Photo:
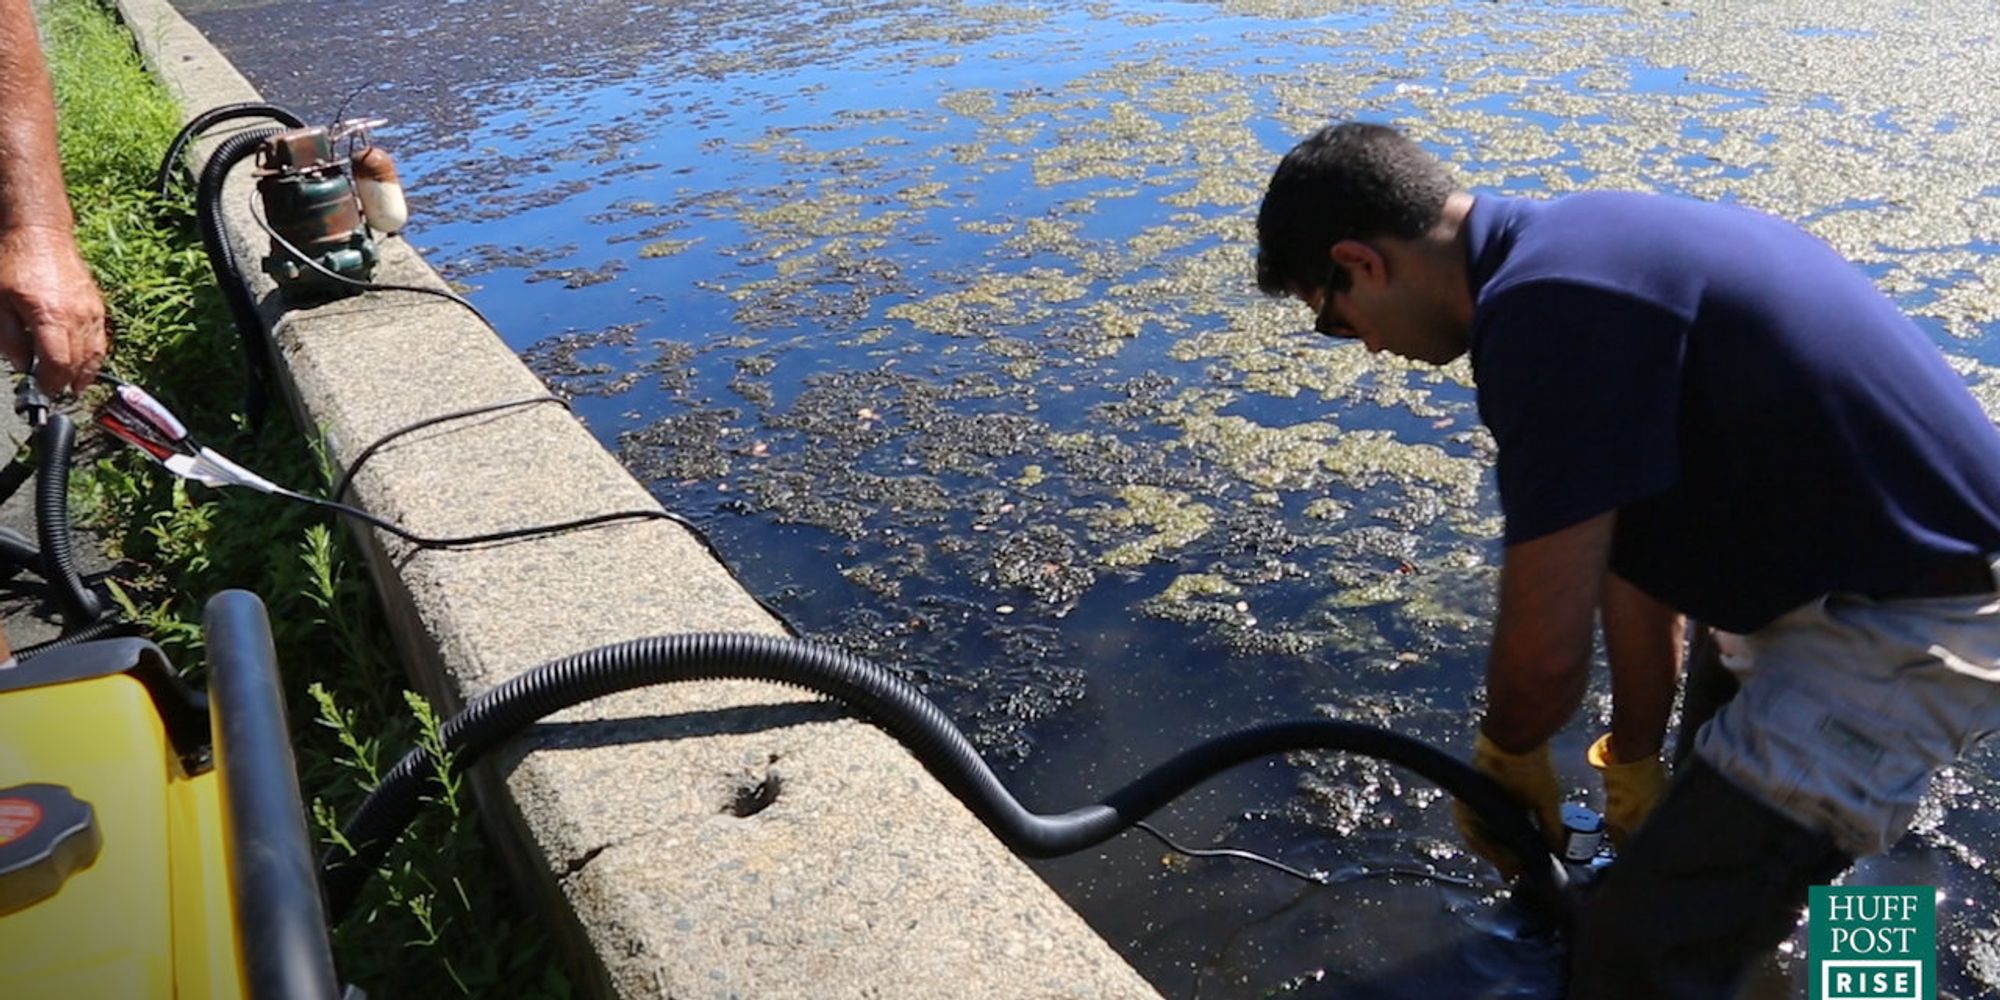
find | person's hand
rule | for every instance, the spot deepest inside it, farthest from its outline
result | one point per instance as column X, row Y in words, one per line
column 50, row 309
column 1631, row 788
column 1531, row 778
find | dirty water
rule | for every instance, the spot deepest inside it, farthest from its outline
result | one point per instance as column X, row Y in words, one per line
column 938, row 317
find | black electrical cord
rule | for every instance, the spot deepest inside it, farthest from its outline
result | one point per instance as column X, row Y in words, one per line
column 468, row 541
column 1317, row 878
column 257, row 215
column 340, row 110
column 347, row 479
column 1230, row 852
column 536, row 531
column 17, row 552
column 354, row 468
column 901, row 710
column 17, row 472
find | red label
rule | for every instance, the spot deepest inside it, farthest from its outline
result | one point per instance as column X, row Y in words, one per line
column 18, row 817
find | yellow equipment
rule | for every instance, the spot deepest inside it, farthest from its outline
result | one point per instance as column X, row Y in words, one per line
column 152, row 842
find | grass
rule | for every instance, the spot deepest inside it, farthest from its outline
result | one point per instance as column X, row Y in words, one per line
column 439, row 920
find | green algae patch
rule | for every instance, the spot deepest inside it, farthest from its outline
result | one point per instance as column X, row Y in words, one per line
column 1174, row 520
column 971, row 103
column 1448, row 599
column 1308, row 455
column 867, row 338
column 682, row 447
column 1210, row 189
column 924, row 195
column 1325, row 509
column 1193, row 585
column 831, row 213
column 990, row 300
column 878, row 579
column 665, row 248
column 1087, row 157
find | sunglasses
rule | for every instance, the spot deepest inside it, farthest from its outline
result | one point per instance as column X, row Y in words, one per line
column 1325, row 322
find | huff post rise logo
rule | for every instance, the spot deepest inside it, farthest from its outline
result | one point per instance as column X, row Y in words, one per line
column 1873, row 942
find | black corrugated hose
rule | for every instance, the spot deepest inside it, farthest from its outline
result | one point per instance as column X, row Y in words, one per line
column 221, row 253
column 901, row 710
column 103, row 628
column 222, row 258
column 80, row 607
column 163, row 179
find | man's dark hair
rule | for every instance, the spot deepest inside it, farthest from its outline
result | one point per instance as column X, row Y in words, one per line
column 1347, row 181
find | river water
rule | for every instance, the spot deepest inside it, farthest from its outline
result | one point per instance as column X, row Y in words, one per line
column 938, row 318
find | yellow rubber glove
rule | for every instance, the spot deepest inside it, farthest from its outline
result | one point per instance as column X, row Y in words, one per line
column 1531, row 777
column 1631, row 788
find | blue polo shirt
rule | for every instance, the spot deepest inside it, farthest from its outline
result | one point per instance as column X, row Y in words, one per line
column 1767, row 424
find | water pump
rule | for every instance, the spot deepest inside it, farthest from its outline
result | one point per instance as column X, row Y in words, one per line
column 322, row 207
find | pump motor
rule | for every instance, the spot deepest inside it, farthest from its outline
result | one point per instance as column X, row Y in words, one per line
column 322, row 207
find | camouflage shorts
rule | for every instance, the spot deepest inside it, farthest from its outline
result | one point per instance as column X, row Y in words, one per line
column 1849, row 705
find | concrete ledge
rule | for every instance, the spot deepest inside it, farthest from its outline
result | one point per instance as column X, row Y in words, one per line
column 862, row 878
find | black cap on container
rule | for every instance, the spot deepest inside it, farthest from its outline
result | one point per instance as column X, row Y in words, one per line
column 46, row 835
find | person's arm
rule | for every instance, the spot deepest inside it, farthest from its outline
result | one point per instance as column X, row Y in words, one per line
column 1540, row 662
column 1580, row 387
column 1537, row 672
column 50, row 309
column 1643, row 640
